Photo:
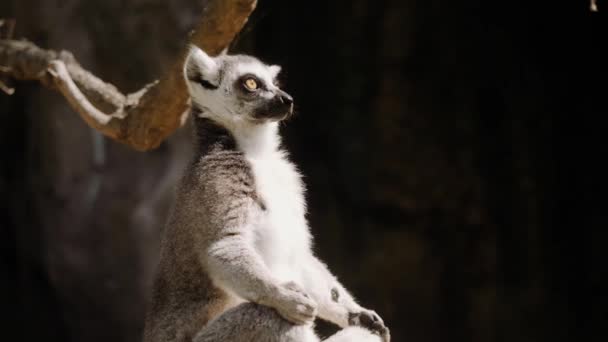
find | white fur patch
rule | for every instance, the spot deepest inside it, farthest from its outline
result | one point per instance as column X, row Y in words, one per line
column 198, row 59
column 274, row 70
column 281, row 231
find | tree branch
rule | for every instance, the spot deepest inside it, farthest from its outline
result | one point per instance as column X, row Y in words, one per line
column 75, row 97
column 144, row 118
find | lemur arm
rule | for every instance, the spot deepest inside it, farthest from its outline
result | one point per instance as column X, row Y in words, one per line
column 335, row 303
column 229, row 255
column 234, row 264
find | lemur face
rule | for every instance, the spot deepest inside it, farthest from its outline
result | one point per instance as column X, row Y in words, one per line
column 235, row 88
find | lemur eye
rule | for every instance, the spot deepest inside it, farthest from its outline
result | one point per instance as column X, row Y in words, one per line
column 251, row 84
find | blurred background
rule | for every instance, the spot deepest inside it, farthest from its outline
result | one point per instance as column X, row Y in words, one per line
column 452, row 152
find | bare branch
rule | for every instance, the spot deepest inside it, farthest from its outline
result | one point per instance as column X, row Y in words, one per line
column 75, row 97
column 144, row 118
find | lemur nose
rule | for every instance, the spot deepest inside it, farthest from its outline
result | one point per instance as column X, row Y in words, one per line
column 286, row 98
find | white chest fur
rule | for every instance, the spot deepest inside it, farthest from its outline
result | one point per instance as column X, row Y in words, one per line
column 281, row 232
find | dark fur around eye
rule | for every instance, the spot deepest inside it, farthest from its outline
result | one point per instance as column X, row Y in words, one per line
column 195, row 76
column 207, row 85
column 335, row 295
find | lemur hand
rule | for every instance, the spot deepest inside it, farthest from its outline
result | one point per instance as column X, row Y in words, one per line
column 294, row 304
column 370, row 320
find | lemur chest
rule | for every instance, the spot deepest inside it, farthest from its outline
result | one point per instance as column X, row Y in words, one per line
column 281, row 232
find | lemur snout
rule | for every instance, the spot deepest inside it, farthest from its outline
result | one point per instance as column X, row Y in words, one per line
column 285, row 98
column 286, row 102
column 278, row 107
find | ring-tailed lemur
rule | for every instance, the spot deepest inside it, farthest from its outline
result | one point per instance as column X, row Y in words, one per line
column 236, row 261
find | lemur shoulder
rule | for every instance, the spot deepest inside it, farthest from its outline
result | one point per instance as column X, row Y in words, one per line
column 236, row 262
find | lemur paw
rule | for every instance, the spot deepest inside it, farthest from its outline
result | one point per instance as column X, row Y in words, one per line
column 294, row 304
column 370, row 320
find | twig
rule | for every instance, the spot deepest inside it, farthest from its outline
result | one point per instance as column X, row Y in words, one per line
column 70, row 91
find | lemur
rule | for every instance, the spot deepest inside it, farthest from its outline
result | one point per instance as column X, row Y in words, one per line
column 236, row 262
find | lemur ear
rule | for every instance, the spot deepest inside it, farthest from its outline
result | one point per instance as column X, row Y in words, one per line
column 275, row 70
column 200, row 67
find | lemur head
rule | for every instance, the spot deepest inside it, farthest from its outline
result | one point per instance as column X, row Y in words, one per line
column 235, row 88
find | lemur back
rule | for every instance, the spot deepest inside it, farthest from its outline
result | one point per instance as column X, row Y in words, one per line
column 184, row 296
column 236, row 251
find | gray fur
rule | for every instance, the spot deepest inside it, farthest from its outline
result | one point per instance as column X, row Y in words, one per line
column 213, row 282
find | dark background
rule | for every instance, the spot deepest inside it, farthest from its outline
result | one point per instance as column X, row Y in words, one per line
column 453, row 152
